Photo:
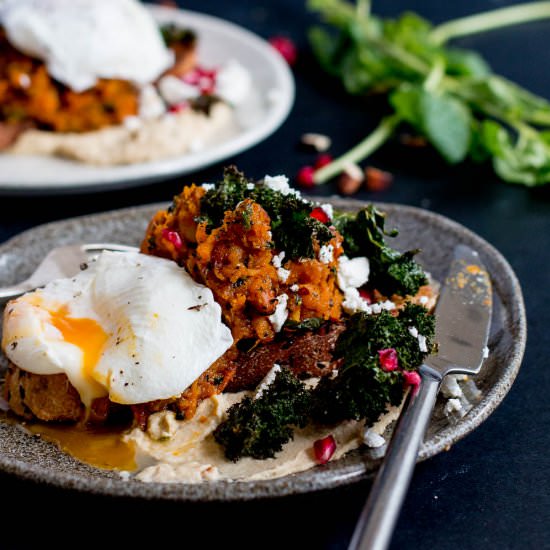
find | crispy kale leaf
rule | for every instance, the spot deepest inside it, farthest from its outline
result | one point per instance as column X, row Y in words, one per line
column 292, row 226
column 259, row 428
column 392, row 272
column 362, row 388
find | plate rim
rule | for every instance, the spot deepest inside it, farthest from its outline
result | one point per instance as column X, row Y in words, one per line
column 182, row 164
column 338, row 473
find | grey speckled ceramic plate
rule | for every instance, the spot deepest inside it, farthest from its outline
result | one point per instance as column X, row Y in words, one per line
column 32, row 458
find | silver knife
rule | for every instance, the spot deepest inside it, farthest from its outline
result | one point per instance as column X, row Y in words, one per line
column 463, row 319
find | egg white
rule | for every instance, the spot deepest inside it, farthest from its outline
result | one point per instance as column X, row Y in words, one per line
column 148, row 328
column 83, row 40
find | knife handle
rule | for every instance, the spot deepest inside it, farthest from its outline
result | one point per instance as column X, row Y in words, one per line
column 377, row 520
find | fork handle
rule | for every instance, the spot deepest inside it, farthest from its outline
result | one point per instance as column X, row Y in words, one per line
column 377, row 520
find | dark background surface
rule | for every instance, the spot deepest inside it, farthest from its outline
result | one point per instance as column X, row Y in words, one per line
column 492, row 489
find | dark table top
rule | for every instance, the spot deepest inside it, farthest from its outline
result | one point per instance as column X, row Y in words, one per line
column 491, row 489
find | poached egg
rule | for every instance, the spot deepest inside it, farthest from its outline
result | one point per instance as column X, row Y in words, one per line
column 132, row 327
column 81, row 41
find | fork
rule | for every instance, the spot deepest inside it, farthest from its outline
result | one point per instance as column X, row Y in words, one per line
column 62, row 261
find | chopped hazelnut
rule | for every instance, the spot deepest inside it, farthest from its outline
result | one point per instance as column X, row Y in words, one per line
column 350, row 180
column 377, row 180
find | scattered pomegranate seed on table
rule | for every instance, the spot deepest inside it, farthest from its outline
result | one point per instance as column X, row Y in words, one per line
column 285, row 46
column 324, row 449
column 322, row 160
column 304, row 177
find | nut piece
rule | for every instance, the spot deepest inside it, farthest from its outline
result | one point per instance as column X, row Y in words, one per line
column 318, row 142
column 350, row 180
column 377, row 180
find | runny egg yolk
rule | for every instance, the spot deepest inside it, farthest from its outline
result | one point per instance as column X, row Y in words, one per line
column 85, row 334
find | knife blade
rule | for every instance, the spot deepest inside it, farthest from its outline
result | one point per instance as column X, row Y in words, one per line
column 463, row 319
column 463, row 315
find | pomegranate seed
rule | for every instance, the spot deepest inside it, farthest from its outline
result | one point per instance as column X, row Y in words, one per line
column 178, row 107
column 319, row 214
column 172, row 237
column 377, row 180
column 388, row 359
column 285, row 47
column 366, row 295
column 322, row 160
column 304, row 177
column 192, row 77
column 324, row 449
column 411, row 378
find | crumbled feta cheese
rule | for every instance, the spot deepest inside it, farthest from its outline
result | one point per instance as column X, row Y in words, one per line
column 485, row 352
column 174, row 91
column 295, row 288
column 24, row 80
column 328, row 209
column 423, row 300
column 450, row 387
column 281, row 313
column 372, row 439
column 422, row 343
column 208, row 186
column 326, row 254
column 387, row 305
column 283, row 274
column 132, row 123
column 452, row 406
column 352, row 273
column 150, row 103
column 233, row 83
column 250, row 186
column 376, row 308
column 280, row 184
column 413, row 331
column 268, row 379
column 353, row 301
column 277, row 259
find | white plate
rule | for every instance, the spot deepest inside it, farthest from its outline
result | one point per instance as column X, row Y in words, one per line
column 218, row 42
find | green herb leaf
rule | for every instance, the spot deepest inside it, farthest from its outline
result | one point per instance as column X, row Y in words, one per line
column 391, row 272
column 312, row 323
column 446, row 94
column 445, row 121
column 293, row 228
column 259, row 428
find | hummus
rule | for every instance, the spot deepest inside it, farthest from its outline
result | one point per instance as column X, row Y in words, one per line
column 185, row 451
column 146, row 140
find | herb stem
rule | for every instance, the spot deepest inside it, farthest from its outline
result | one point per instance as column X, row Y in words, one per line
column 489, row 20
column 362, row 150
column 363, row 8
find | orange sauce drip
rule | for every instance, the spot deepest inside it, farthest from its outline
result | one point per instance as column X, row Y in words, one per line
column 101, row 447
column 86, row 334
